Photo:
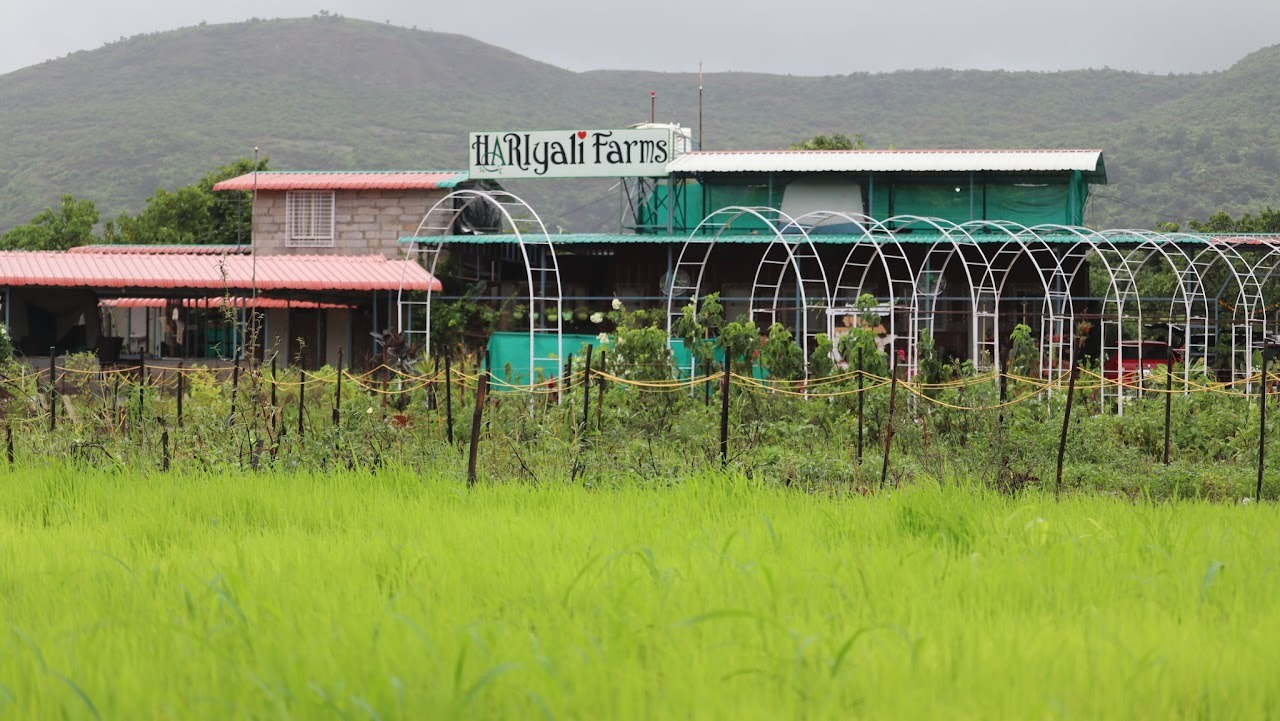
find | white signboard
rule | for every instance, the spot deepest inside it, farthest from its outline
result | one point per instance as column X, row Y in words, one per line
column 633, row 152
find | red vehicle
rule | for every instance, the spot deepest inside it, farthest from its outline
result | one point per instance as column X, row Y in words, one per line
column 1138, row 357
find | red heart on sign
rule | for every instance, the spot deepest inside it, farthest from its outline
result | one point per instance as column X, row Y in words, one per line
column 582, row 134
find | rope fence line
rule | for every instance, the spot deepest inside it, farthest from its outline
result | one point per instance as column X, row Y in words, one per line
column 391, row 381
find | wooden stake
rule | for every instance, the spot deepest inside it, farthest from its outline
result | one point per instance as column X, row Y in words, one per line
column 337, row 394
column 164, row 450
column 53, row 408
column 586, row 390
column 1066, row 421
column 448, row 400
column 235, row 388
column 862, row 397
column 182, row 378
column 1168, row 403
column 888, row 431
column 476, row 421
column 142, row 386
column 302, row 401
column 600, row 392
column 724, row 410
column 1262, row 426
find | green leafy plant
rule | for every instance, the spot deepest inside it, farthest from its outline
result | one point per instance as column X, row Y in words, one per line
column 780, row 356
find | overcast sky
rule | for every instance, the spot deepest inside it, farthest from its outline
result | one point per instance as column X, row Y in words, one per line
column 801, row 37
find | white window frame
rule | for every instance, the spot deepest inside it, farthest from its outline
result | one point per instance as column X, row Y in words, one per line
column 310, row 206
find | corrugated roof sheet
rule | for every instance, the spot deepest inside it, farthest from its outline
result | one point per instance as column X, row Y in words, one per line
column 140, row 249
column 219, row 302
column 863, row 161
column 346, row 180
column 272, row 272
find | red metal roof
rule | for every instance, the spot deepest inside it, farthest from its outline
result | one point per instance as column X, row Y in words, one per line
column 206, row 272
column 353, row 180
column 219, row 302
column 139, row 249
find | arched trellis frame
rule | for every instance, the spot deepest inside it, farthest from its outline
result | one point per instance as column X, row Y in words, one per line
column 875, row 248
column 789, row 252
column 1010, row 244
column 957, row 244
column 1248, row 311
column 542, row 270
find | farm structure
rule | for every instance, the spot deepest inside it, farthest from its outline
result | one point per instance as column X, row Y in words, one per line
column 167, row 304
column 963, row 244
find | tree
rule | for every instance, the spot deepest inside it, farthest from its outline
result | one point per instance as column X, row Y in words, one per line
column 71, row 224
column 1267, row 221
column 836, row 141
column 191, row 214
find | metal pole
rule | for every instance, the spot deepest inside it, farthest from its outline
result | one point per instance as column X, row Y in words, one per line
column 1066, row 421
column 53, row 408
column 302, row 399
column 1262, row 425
column 476, row 421
column 235, row 387
column 182, row 377
column 337, row 394
column 724, row 409
column 861, row 404
column 1168, row 403
column 586, row 390
column 142, row 384
column 448, row 399
column 600, row 393
column 888, row 431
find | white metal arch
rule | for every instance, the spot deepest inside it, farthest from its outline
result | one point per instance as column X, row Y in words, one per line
column 875, row 246
column 1248, row 312
column 1055, row 317
column 1120, row 288
column 801, row 258
column 792, row 251
column 984, row 327
column 536, row 251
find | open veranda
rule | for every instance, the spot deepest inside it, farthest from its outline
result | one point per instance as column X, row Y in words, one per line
column 298, row 549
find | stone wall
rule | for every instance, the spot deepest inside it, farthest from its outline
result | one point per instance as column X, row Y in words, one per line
column 365, row 221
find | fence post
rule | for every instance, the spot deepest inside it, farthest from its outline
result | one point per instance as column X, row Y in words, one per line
column 600, row 392
column 302, row 402
column 142, row 386
column 182, row 383
column 164, row 450
column 431, row 385
column 724, row 410
column 862, row 397
column 8, row 441
column 476, row 420
column 1066, row 420
column 888, row 431
column 586, row 390
column 1262, row 426
column 1168, row 402
column 448, row 399
column 53, row 408
column 235, row 388
column 337, row 394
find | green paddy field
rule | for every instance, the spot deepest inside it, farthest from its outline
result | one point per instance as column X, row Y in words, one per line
column 393, row 596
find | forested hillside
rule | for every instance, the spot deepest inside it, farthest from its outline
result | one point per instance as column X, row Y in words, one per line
column 113, row 124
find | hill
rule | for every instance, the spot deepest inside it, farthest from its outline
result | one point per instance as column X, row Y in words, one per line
column 159, row 110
